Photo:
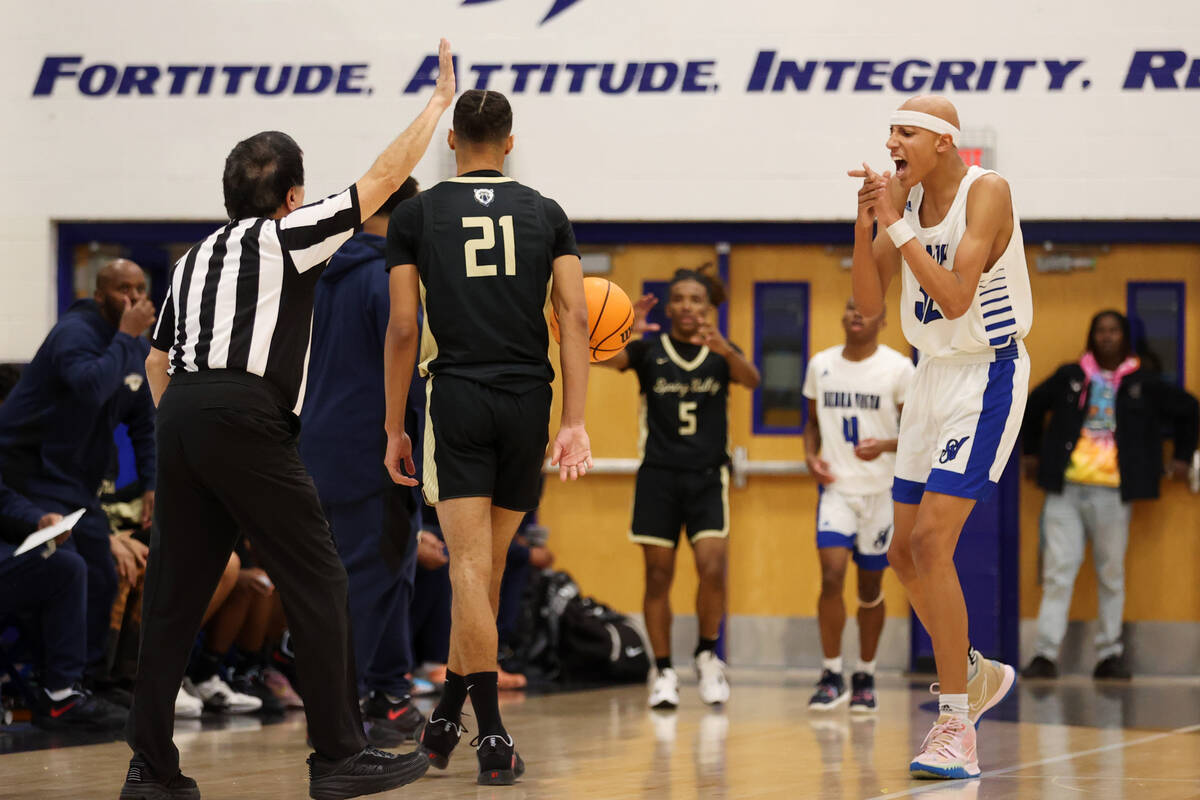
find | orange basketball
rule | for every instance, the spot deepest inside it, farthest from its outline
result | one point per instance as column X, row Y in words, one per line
column 610, row 318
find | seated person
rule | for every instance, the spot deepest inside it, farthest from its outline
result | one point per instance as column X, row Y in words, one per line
column 51, row 585
column 430, row 610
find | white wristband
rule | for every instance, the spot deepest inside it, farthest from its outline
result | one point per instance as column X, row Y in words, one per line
column 900, row 233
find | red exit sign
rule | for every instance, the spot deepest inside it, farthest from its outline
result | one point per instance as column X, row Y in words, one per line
column 972, row 156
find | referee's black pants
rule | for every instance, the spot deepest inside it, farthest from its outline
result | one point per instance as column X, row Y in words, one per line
column 228, row 465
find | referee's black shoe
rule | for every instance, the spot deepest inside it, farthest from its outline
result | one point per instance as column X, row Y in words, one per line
column 499, row 762
column 366, row 772
column 438, row 740
column 142, row 784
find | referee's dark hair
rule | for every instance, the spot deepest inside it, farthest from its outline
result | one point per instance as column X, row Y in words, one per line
column 259, row 173
column 482, row 116
column 408, row 189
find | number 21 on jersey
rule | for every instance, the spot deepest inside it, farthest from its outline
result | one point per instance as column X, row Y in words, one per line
column 486, row 241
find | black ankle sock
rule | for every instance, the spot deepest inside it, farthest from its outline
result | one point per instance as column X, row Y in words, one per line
column 485, row 700
column 205, row 664
column 662, row 663
column 705, row 644
column 454, row 694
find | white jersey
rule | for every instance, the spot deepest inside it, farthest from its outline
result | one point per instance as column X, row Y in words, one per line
column 858, row 400
column 1002, row 311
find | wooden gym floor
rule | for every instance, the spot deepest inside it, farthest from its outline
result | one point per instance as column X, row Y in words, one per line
column 1072, row 738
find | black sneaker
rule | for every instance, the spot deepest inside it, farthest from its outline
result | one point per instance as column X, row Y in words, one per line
column 1040, row 667
column 391, row 720
column 862, row 692
column 80, row 710
column 251, row 682
column 141, row 784
column 438, row 740
column 1112, row 668
column 831, row 692
column 366, row 772
column 499, row 762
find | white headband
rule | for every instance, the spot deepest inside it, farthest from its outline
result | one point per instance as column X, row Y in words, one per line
column 919, row 119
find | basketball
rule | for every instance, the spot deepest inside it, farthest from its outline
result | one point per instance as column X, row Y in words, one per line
column 610, row 318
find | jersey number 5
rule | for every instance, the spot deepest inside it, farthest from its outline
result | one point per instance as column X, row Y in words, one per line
column 487, row 241
column 687, row 418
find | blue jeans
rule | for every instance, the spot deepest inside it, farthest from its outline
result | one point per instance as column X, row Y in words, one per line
column 1069, row 519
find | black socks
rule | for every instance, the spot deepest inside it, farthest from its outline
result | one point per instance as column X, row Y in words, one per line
column 486, row 702
column 662, row 663
column 705, row 644
column 454, row 694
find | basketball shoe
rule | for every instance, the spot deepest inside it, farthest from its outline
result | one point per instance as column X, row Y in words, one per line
column 186, row 706
column 219, row 697
column 714, row 688
column 831, row 692
column 438, row 740
column 665, row 691
column 991, row 683
column 948, row 751
column 80, row 710
column 499, row 762
column 862, row 693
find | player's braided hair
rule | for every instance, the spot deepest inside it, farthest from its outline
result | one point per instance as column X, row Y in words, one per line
column 482, row 116
column 706, row 276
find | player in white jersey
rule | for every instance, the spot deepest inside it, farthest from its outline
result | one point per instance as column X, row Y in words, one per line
column 966, row 306
column 855, row 393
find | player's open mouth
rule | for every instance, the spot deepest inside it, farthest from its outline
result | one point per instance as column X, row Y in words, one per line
column 901, row 166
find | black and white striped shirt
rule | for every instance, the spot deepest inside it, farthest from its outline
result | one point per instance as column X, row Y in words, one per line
column 242, row 299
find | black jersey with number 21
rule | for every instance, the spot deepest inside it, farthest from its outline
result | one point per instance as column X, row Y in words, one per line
column 685, row 391
column 484, row 246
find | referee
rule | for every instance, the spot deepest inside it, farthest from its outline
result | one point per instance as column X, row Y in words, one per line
column 232, row 341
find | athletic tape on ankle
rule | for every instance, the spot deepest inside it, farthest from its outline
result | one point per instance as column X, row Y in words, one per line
column 919, row 119
column 864, row 604
column 900, row 233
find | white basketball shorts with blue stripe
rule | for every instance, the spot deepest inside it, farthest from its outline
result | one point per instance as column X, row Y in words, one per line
column 959, row 424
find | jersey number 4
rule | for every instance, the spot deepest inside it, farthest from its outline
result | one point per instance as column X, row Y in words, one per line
column 850, row 430
column 486, row 241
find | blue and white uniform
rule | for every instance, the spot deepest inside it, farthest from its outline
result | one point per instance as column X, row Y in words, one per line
column 968, row 394
column 857, row 400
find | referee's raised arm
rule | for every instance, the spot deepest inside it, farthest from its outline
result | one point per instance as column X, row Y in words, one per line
column 396, row 163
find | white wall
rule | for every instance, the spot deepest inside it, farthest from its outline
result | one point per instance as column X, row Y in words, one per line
column 1087, row 149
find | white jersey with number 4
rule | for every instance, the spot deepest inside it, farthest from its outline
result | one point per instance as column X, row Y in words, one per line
column 856, row 401
column 1002, row 311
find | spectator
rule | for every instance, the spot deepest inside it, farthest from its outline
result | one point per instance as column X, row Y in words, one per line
column 56, row 427
column 50, row 583
column 430, row 614
column 1101, row 450
column 374, row 521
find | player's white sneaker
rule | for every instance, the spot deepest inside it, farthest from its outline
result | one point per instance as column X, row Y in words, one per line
column 948, row 751
column 991, row 684
column 220, row 697
column 714, row 688
column 186, row 706
column 665, row 691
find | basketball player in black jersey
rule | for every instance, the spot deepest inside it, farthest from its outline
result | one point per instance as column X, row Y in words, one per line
column 684, row 378
column 480, row 250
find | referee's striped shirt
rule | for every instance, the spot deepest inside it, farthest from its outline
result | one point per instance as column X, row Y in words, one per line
column 242, row 299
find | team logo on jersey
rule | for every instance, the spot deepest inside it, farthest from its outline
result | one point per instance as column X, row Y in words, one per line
column 926, row 309
column 950, row 451
column 660, row 361
column 485, row 196
column 882, row 537
column 134, row 381
column 556, row 9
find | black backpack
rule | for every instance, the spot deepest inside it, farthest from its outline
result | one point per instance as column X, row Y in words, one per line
column 598, row 645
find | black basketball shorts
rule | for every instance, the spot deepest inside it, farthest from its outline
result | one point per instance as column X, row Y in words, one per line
column 484, row 442
column 666, row 500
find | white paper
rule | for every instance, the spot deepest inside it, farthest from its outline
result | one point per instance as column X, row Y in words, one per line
column 46, row 534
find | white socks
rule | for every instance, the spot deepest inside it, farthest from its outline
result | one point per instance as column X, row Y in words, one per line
column 58, row 695
column 834, row 665
column 952, row 705
column 867, row 667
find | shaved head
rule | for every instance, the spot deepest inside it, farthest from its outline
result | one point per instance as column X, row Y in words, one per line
column 112, row 273
column 933, row 104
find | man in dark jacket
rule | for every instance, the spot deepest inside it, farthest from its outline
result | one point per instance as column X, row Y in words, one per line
column 56, row 428
column 1101, row 450
column 374, row 521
